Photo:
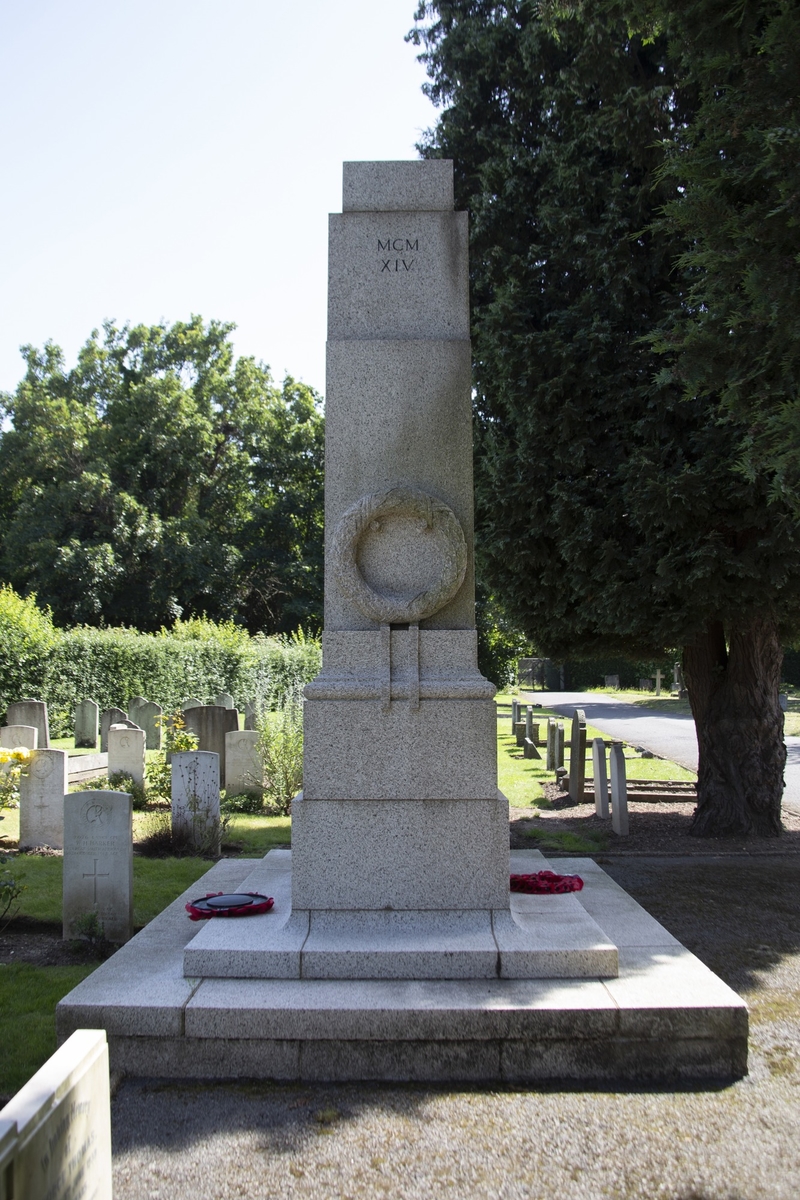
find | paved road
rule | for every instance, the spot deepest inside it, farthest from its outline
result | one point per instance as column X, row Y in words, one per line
column 669, row 735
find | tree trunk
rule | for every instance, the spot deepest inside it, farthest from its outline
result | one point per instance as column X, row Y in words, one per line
column 733, row 691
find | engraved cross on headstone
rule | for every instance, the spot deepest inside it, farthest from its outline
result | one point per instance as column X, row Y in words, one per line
column 94, row 876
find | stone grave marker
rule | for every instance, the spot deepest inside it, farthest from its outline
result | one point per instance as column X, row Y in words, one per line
column 251, row 715
column 150, row 720
column 645, row 685
column 98, row 861
column 559, row 744
column 224, row 700
column 210, row 723
column 41, row 800
column 134, row 705
column 550, row 761
column 783, row 701
column 519, row 731
column 56, row 1143
column 619, row 790
column 515, row 706
column 87, row 724
column 126, row 752
column 243, row 766
column 577, row 757
column 192, row 702
column 531, row 736
column 600, row 775
column 31, row 712
column 195, row 797
column 659, row 681
column 111, row 716
column 611, row 682
column 19, row 737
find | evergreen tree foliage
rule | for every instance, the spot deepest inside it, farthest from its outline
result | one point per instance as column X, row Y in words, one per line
column 160, row 477
column 613, row 511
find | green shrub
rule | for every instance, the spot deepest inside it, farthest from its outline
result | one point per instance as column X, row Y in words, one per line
column 27, row 637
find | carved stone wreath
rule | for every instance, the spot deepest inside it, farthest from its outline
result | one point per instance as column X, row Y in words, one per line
column 367, row 514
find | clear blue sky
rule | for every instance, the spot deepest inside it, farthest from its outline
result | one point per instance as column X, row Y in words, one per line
column 164, row 157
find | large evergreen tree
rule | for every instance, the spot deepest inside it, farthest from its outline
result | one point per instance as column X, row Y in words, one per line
column 613, row 513
column 161, row 477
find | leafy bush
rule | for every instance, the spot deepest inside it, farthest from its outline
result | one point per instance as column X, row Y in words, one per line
column 280, row 745
column 197, row 657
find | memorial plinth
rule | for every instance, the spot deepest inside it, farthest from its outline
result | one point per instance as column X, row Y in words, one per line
column 400, row 860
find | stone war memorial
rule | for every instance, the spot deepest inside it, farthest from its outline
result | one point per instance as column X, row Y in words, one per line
column 395, row 949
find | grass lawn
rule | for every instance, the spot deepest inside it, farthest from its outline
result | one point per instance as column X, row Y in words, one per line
column 28, row 997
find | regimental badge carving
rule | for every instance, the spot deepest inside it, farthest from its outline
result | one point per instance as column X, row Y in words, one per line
column 42, row 767
column 413, row 505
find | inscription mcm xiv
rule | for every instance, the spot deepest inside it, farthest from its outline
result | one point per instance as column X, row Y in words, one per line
column 399, row 246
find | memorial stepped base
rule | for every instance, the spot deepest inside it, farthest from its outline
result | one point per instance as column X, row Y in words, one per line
column 666, row 1018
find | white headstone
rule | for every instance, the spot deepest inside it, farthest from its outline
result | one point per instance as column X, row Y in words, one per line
column 61, row 1147
column 98, row 862
column 31, row 712
column 111, row 716
column 19, row 737
column 243, row 766
column 192, row 702
column 150, row 715
column 87, row 724
column 225, row 700
column 126, row 752
column 41, row 800
column 195, row 796
column 559, row 744
column 600, row 777
column 619, row 790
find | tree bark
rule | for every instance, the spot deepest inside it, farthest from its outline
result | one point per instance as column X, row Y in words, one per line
column 733, row 690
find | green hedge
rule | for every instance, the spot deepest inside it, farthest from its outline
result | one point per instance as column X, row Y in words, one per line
column 195, row 658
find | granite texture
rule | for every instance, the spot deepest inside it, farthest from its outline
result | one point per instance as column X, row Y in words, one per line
column 19, row 737
column 397, row 275
column 41, row 800
column 666, row 1019
column 126, row 752
column 355, row 751
column 98, row 862
column 87, row 724
column 372, row 854
column 407, row 186
column 387, row 403
column 31, row 712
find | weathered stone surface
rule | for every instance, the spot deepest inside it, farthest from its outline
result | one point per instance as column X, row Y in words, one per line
column 195, row 797
column 225, row 700
column 134, row 705
column 192, row 702
column 244, row 770
column 31, row 712
column 87, row 724
column 210, row 723
column 150, row 719
column 98, row 862
column 111, row 716
column 19, row 737
column 600, row 776
column 404, row 186
column 619, row 790
column 41, row 800
column 126, row 752
column 577, row 757
column 251, row 715
column 62, row 1147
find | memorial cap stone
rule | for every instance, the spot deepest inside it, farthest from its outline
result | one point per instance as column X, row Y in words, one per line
column 413, row 186
column 98, row 862
column 31, row 712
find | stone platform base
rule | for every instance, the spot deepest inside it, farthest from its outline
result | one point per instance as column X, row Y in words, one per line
column 665, row 1019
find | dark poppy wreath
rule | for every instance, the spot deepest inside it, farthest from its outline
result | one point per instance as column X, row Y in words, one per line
column 227, row 904
column 545, row 883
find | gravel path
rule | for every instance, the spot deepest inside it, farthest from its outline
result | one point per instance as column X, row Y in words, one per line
column 193, row 1142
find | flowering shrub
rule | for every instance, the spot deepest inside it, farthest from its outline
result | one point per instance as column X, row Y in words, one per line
column 12, row 764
